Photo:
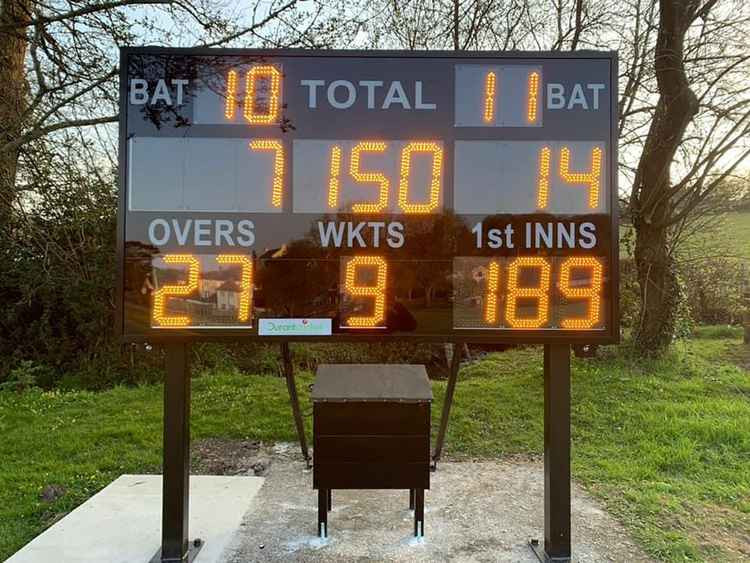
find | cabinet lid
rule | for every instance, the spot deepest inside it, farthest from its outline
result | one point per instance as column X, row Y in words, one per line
column 371, row 382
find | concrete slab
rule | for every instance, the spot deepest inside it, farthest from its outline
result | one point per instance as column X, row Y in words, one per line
column 474, row 512
column 122, row 523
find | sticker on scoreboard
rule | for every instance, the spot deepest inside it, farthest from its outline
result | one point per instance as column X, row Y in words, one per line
column 294, row 327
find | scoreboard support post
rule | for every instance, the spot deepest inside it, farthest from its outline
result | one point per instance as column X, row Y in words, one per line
column 175, row 545
column 556, row 456
column 294, row 400
column 447, row 402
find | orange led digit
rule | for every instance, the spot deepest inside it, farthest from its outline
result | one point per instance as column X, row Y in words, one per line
column 540, row 292
column 369, row 177
column 493, row 285
column 246, row 282
column 158, row 313
column 542, row 194
column 334, row 177
column 231, row 101
column 489, row 97
column 592, row 292
column 531, row 106
column 278, row 165
column 590, row 178
column 403, row 185
column 377, row 291
column 272, row 74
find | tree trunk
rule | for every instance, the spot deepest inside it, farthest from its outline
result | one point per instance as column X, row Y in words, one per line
column 13, row 43
column 659, row 290
column 651, row 205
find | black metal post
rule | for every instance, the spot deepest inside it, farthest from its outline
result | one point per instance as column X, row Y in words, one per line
column 447, row 403
column 322, row 513
column 419, row 513
column 294, row 399
column 556, row 455
column 175, row 546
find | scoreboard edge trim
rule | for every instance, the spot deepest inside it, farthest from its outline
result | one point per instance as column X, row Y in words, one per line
column 610, row 336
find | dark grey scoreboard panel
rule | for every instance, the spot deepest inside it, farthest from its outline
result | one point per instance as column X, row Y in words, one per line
column 292, row 194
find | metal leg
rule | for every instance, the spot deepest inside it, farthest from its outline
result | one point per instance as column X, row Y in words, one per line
column 174, row 529
column 294, row 399
column 556, row 455
column 447, row 403
column 419, row 513
column 330, row 499
column 323, row 513
column 411, row 499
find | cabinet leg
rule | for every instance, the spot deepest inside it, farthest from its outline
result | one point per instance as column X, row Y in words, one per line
column 419, row 513
column 323, row 513
column 411, row 499
column 330, row 499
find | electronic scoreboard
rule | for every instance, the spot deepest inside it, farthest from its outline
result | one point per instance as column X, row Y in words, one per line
column 353, row 195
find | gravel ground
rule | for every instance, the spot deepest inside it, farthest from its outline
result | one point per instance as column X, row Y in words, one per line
column 483, row 511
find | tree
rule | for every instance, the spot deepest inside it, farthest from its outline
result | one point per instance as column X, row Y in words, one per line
column 58, row 190
column 650, row 203
column 58, row 58
column 684, row 104
column 660, row 207
column 14, row 15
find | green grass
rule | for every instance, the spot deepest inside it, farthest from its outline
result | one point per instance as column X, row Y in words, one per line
column 729, row 237
column 84, row 440
column 718, row 331
column 663, row 444
column 734, row 234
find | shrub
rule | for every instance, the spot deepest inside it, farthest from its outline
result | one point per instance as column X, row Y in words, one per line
column 711, row 291
column 630, row 299
column 58, row 256
column 25, row 375
column 714, row 288
column 266, row 358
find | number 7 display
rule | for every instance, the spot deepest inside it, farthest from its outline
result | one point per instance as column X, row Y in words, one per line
column 201, row 295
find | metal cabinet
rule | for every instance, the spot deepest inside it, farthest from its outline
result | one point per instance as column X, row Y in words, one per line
column 371, row 430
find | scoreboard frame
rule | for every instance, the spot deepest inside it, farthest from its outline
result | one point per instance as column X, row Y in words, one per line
column 610, row 335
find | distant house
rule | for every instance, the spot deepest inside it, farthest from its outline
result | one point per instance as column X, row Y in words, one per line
column 209, row 282
column 228, row 296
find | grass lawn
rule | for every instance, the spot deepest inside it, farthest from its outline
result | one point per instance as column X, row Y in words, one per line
column 729, row 237
column 663, row 444
column 734, row 234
